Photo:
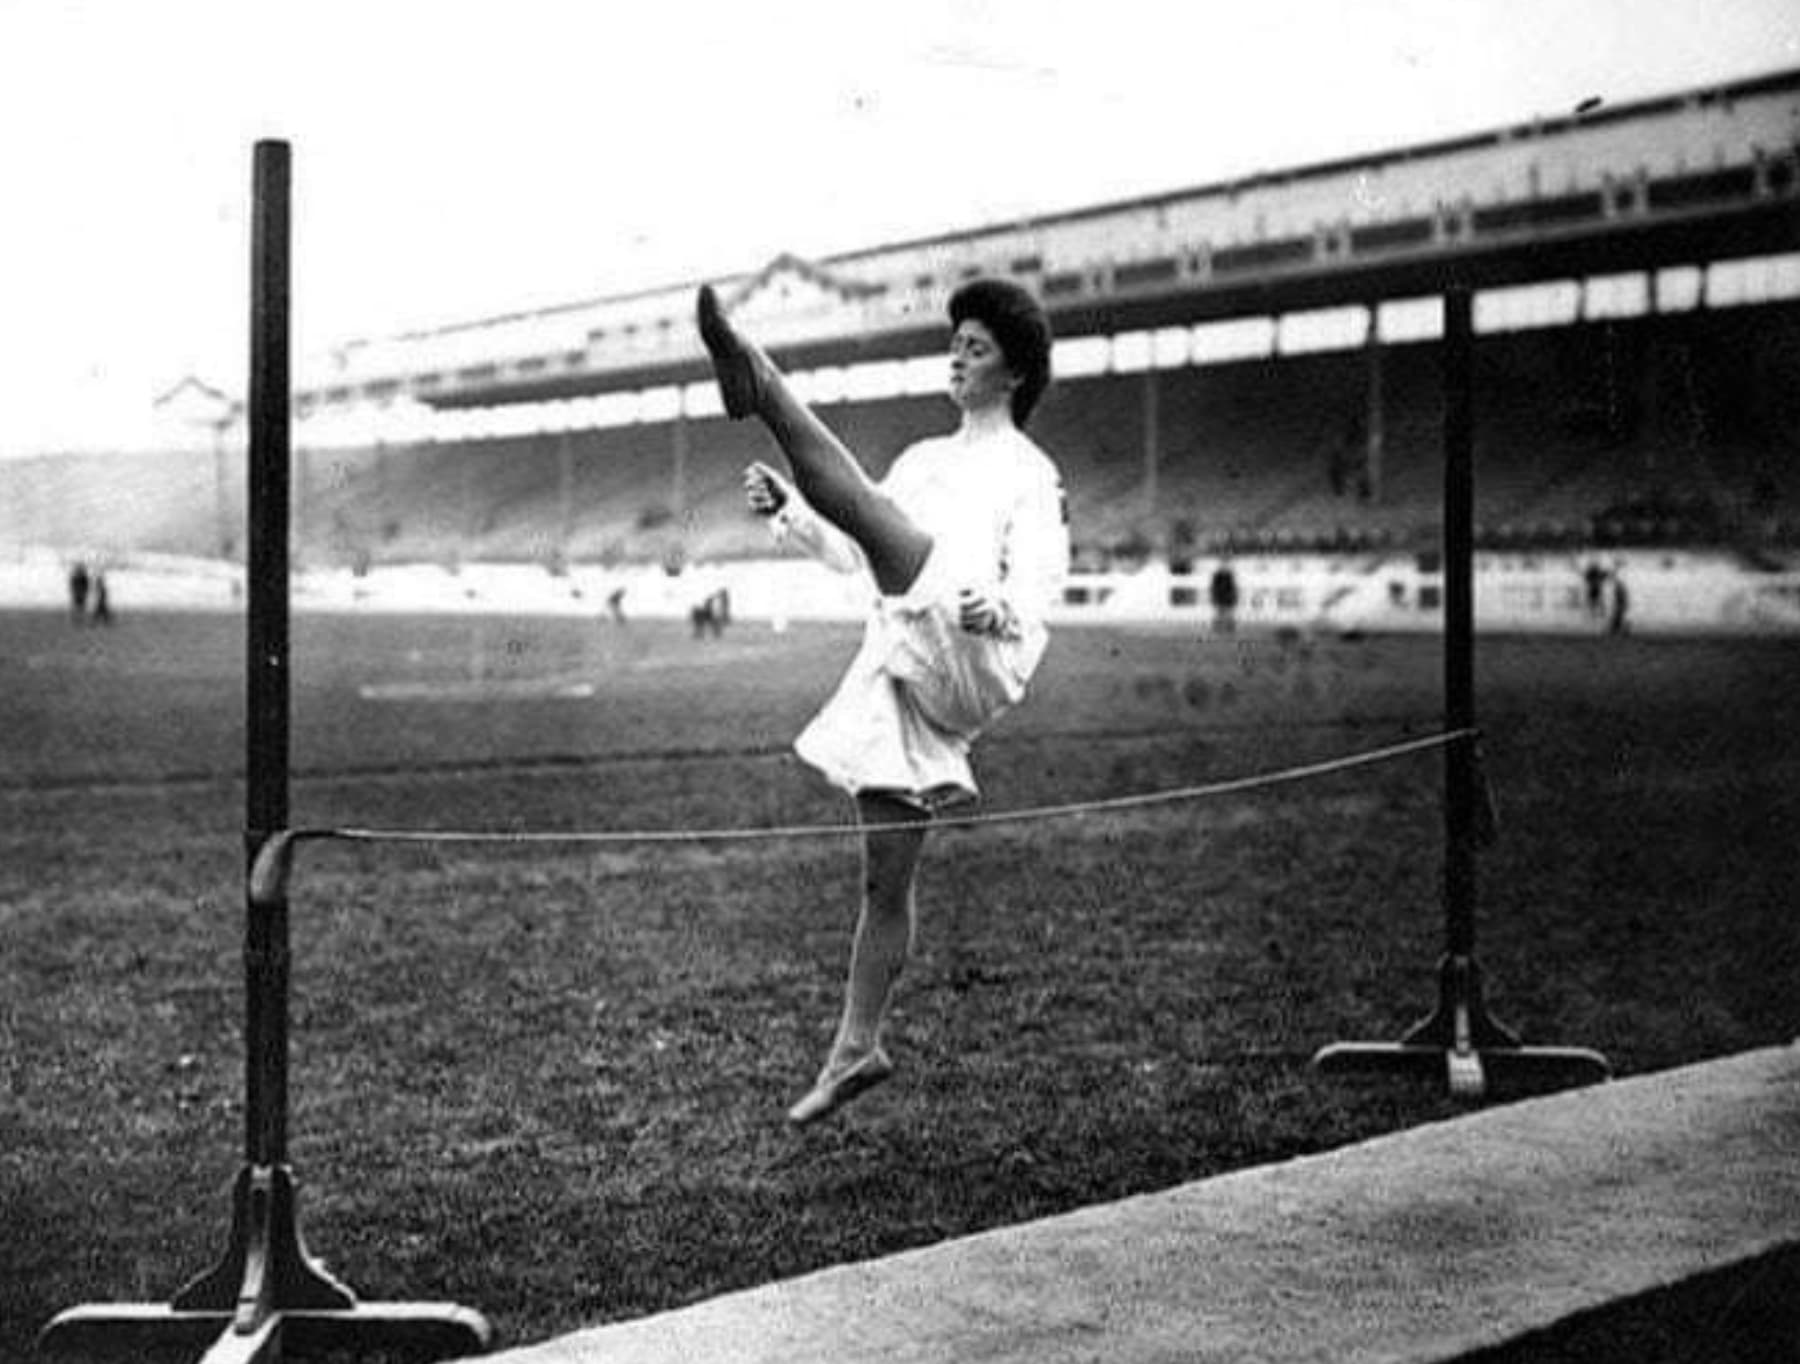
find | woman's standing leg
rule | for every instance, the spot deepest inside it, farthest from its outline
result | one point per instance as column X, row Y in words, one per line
column 827, row 474
column 886, row 925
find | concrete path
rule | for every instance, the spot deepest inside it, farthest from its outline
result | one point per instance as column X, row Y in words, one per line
column 1419, row 1246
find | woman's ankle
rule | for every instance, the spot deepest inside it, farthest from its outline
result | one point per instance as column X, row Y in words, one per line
column 849, row 1048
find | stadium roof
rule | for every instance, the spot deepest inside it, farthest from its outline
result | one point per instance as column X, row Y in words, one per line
column 1686, row 177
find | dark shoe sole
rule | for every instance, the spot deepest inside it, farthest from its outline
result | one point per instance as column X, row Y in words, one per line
column 731, row 364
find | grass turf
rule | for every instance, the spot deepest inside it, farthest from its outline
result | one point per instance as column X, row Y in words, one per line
column 548, row 1082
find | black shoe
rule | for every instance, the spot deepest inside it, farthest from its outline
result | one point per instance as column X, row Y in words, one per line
column 732, row 363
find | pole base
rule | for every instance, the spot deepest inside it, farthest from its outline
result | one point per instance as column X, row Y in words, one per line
column 1467, row 1073
column 266, row 1295
column 266, row 1264
column 423, row 1330
column 1462, row 1042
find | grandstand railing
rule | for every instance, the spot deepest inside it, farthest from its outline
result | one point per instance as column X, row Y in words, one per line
column 1707, row 149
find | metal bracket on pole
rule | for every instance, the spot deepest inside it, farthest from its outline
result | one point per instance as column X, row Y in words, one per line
column 267, row 1294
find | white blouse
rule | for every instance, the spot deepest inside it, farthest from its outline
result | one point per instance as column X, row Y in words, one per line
column 993, row 505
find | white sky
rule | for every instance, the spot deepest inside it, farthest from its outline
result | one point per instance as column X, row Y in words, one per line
column 455, row 159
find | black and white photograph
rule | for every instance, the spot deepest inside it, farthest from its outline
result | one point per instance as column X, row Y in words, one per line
column 900, row 683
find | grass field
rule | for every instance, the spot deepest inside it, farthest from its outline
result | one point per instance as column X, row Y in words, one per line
column 548, row 1082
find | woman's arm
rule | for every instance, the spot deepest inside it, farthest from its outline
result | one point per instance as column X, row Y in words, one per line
column 1034, row 557
column 792, row 521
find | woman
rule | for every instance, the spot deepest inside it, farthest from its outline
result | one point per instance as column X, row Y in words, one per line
column 966, row 543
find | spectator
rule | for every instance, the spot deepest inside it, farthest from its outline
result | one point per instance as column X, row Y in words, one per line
column 1617, row 623
column 711, row 614
column 1224, row 592
column 1593, row 579
column 78, row 591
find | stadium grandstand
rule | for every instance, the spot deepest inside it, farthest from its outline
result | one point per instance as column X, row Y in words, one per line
column 1244, row 368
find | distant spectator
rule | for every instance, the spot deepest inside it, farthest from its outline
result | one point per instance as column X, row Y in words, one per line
column 1616, row 623
column 78, row 591
column 712, row 614
column 615, row 604
column 1593, row 579
column 102, row 605
column 1224, row 593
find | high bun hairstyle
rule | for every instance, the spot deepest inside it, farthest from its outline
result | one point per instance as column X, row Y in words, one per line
column 1020, row 328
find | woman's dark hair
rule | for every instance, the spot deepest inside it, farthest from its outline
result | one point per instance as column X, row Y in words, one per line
column 1020, row 328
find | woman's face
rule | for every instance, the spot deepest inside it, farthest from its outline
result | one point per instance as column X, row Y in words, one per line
column 980, row 378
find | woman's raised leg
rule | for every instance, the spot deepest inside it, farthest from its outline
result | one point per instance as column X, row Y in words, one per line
column 826, row 473
column 887, row 924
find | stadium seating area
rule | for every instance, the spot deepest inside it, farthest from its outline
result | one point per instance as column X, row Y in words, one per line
column 1675, row 429
column 115, row 503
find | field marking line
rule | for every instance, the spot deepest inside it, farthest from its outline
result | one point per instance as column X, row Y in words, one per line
column 496, row 689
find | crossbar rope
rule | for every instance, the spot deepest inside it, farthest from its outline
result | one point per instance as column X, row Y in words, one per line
column 270, row 871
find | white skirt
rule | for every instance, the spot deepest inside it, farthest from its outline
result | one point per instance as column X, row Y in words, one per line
column 916, row 696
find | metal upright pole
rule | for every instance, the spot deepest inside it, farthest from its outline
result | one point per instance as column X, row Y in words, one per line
column 565, row 495
column 1375, row 399
column 266, row 1268
column 1152, row 452
column 1459, row 623
column 266, row 1291
column 1459, row 1039
column 267, row 697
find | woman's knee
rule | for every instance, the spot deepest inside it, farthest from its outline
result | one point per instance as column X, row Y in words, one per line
column 890, row 540
column 896, row 566
column 888, row 926
column 888, row 898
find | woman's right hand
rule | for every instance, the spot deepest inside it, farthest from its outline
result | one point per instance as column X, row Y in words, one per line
column 766, row 491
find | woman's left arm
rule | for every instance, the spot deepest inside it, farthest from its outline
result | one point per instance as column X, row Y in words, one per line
column 1034, row 557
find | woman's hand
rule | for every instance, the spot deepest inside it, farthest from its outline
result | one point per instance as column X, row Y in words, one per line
column 766, row 491
column 981, row 615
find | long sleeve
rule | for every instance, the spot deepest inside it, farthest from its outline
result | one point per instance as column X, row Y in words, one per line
column 799, row 526
column 1034, row 555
